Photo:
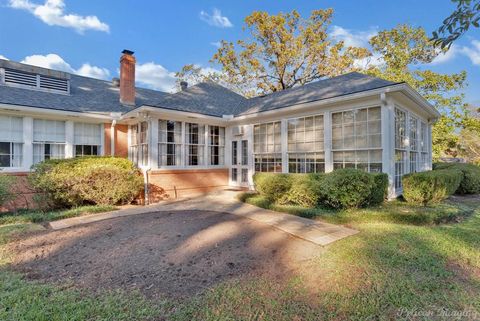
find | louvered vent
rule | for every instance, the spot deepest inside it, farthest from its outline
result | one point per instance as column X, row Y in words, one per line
column 53, row 83
column 35, row 81
column 20, row 78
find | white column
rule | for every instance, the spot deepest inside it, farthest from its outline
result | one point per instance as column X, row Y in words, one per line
column 153, row 143
column 102, row 140
column 251, row 161
column 69, row 139
column 388, row 143
column 284, row 144
column 206, row 150
column 407, row 136
column 429, row 142
column 327, row 141
column 112, row 139
column 183, row 163
column 27, row 142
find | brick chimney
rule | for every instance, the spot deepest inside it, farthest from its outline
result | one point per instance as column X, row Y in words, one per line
column 127, row 78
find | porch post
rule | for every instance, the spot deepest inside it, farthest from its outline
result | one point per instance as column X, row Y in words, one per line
column 27, row 142
column 153, row 143
column 388, row 142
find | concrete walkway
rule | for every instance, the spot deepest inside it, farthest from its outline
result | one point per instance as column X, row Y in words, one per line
column 225, row 201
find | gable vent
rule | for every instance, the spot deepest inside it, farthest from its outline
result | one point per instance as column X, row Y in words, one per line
column 20, row 78
column 17, row 78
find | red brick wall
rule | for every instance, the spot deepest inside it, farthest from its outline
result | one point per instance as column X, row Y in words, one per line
column 121, row 140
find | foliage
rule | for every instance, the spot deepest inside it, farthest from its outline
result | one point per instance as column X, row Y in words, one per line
column 347, row 188
column 87, row 180
column 272, row 185
column 404, row 49
column 379, row 191
column 304, row 191
column 430, row 187
column 6, row 185
column 455, row 25
column 194, row 74
column 470, row 183
column 284, row 51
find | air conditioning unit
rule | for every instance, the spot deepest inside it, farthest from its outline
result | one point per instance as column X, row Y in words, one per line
column 237, row 131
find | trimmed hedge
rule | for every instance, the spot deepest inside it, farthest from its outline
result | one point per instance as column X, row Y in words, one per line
column 343, row 188
column 470, row 183
column 431, row 187
column 86, row 180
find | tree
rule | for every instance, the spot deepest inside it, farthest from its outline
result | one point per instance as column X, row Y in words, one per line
column 405, row 52
column 284, row 51
column 469, row 139
column 455, row 25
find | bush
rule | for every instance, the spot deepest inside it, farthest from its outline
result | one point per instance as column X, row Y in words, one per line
column 379, row 191
column 6, row 185
column 272, row 185
column 470, row 183
column 87, row 180
column 304, row 191
column 347, row 188
column 431, row 186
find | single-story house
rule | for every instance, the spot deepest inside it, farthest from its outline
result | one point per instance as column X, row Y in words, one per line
column 206, row 136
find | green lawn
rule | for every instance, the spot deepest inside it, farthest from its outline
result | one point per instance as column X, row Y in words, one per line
column 402, row 261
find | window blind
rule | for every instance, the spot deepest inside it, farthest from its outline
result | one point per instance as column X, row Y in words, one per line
column 11, row 129
column 48, row 131
column 87, row 134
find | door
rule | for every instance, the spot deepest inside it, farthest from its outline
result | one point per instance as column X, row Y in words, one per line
column 239, row 169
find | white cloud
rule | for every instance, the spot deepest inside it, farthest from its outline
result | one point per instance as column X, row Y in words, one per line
column 372, row 61
column 216, row 19
column 52, row 12
column 155, row 76
column 353, row 38
column 472, row 52
column 3, row 57
column 54, row 61
column 217, row 44
column 446, row 56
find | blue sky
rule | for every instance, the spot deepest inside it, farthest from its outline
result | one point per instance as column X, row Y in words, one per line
column 87, row 36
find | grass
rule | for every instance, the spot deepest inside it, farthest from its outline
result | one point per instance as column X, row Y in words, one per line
column 404, row 264
column 36, row 216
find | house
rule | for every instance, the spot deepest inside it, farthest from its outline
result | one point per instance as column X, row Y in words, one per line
column 205, row 136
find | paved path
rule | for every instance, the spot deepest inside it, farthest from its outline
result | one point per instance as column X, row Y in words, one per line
column 225, row 201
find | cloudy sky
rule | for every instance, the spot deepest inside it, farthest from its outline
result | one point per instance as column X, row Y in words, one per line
column 86, row 37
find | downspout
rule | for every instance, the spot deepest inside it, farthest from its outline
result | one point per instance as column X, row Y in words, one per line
column 145, row 171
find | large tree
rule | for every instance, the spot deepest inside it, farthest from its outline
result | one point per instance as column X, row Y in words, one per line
column 466, row 14
column 406, row 53
column 283, row 51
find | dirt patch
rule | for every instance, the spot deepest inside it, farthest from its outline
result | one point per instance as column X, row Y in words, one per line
column 173, row 254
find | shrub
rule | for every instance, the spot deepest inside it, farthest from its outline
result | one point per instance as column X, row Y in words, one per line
column 304, row 191
column 380, row 189
column 347, row 188
column 87, row 180
column 470, row 183
column 6, row 185
column 272, row 185
column 431, row 186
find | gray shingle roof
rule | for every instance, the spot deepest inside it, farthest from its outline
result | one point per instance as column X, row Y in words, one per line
column 350, row 83
column 86, row 95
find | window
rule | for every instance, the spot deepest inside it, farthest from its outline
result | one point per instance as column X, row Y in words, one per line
column 216, row 145
column 139, row 144
column 48, row 139
column 195, row 143
column 414, row 144
column 267, row 147
column 234, row 152
column 424, row 161
column 244, row 152
column 400, row 146
column 305, row 145
column 170, row 143
column 244, row 175
column 357, row 139
column 87, row 139
column 11, row 141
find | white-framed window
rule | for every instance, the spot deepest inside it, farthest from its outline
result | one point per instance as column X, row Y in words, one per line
column 357, row 139
column 244, row 152
column 11, row 141
column 195, row 144
column 170, row 143
column 267, row 147
column 139, row 144
column 87, row 139
column 216, row 145
column 401, row 143
column 48, row 139
column 414, row 144
column 306, row 145
column 424, row 154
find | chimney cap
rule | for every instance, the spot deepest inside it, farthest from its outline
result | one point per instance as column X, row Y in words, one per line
column 183, row 85
column 128, row 52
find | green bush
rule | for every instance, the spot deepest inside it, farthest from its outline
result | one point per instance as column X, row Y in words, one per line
column 304, row 191
column 6, row 185
column 431, row 186
column 347, row 188
column 470, row 183
column 379, row 191
column 272, row 185
column 87, row 180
